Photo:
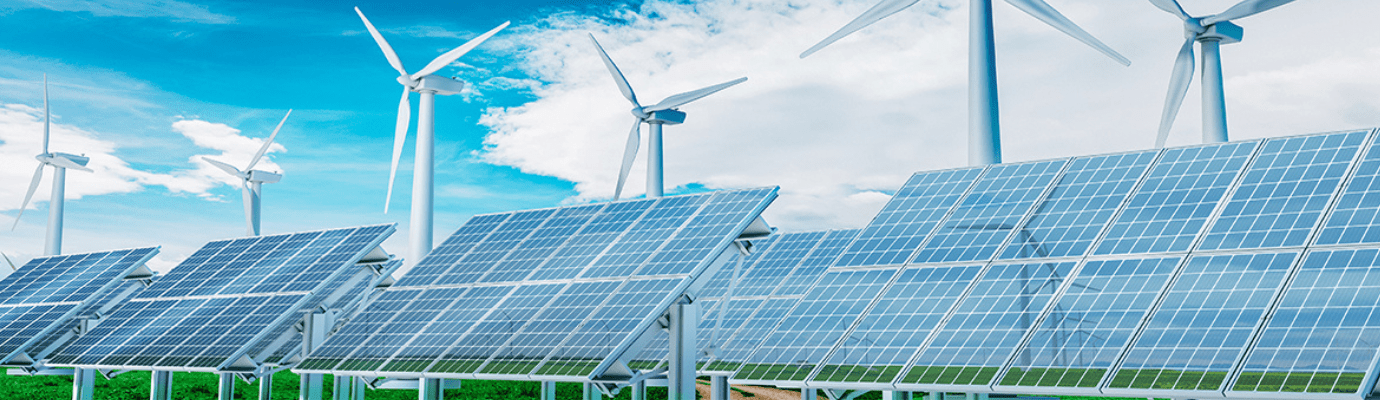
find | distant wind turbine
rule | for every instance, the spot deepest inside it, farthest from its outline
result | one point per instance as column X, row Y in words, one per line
column 252, row 180
column 429, row 86
column 60, row 162
column 984, row 132
column 10, row 262
column 1210, row 32
column 662, row 113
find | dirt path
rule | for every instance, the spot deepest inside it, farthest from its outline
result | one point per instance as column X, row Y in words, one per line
column 760, row 393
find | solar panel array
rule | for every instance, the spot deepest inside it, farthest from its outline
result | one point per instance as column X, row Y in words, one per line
column 43, row 300
column 1246, row 270
column 225, row 300
column 553, row 294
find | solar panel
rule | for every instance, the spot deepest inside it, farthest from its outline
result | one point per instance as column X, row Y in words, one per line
column 207, row 313
column 563, row 293
column 909, row 217
column 1084, row 199
column 982, row 221
column 1356, row 214
column 42, row 302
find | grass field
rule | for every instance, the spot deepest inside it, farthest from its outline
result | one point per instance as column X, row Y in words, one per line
column 202, row 386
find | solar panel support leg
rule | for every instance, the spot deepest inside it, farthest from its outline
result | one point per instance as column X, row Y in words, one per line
column 265, row 387
column 808, row 394
column 429, row 389
column 83, row 383
column 311, row 387
column 639, row 390
column 895, row 395
column 226, row 389
column 681, row 374
column 359, row 388
column 160, row 387
column 718, row 387
column 317, row 325
column 591, row 392
column 342, row 390
column 548, row 390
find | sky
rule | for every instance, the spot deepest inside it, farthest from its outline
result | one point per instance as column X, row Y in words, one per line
column 145, row 88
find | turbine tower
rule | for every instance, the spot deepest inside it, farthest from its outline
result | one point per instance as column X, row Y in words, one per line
column 61, row 162
column 428, row 85
column 1211, row 32
column 252, row 180
column 984, row 131
column 662, row 113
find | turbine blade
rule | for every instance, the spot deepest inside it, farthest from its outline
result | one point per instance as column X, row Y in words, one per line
column 399, row 138
column 229, row 169
column 1043, row 12
column 383, row 44
column 58, row 160
column 617, row 75
column 10, row 262
column 33, row 186
column 45, row 114
column 872, row 15
column 264, row 149
column 1172, row 7
column 1178, row 88
column 1244, row 9
column 629, row 154
column 450, row 56
column 683, row 98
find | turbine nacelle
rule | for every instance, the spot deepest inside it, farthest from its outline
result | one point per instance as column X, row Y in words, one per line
column 664, row 117
column 1223, row 32
column 64, row 160
column 263, row 177
column 434, row 84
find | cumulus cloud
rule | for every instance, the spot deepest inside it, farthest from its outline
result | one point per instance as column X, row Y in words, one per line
column 172, row 9
column 232, row 148
column 842, row 129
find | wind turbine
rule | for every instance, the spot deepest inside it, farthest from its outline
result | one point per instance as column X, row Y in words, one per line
column 252, row 180
column 662, row 113
column 419, row 235
column 1211, row 32
column 984, row 131
column 11, row 263
column 60, row 162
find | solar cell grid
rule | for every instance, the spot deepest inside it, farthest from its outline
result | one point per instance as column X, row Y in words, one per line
column 1284, row 192
column 491, row 333
column 735, row 350
column 645, row 236
column 442, row 258
column 1078, row 339
column 367, row 323
column 591, row 240
column 585, row 347
column 1083, row 200
column 1207, row 318
column 1356, row 215
column 987, row 325
column 814, row 265
column 887, row 335
column 983, row 220
column 541, row 244
column 540, row 335
column 483, row 260
column 909, row 217
column 1321, row 336
column 713, row 226
column 1175, row 199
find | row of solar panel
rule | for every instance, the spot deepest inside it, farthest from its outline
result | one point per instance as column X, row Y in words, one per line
column 552, row 292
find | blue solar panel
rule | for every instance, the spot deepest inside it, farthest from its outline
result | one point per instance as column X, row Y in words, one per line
column 219, row 303
column 1085, row 198
column 1356, row 215
column 817, row 262
column 909, row 217
column 986, row 216
column 1284, row 192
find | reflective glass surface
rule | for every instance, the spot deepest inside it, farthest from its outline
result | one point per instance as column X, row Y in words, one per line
column 353, row 335
column 645, row 237
column 450, row 321
column 909, row 217
column 736, row 349
column 587, row 346
column 68, row 278
column 1176, row 198
column 1284, row 192
column 491, row 333
column 988, row 324
column 804, row 337
column 1323, row 335
column 1081, row 335
column 725, row 214
column 886, row 337
column 1204, row 323
column 985, row 217
column 1084, row 199
column 525, row 350
column 1356, row 216
column 441, row 259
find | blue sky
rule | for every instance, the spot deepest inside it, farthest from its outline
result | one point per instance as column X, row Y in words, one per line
column 144, row 87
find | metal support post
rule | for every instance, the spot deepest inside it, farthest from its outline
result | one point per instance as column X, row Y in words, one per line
column 718, row 387
column 359, row 388
column 342, row 389
column 809, row 394
column 1214, row 100
column 160, row 387
column 83, row 384
column 548, row 390
column 226, row 389
column 654, row 163
column 681, row 376
column 590, row 392
column 53, row 243
column 934, row 396
column 419, row 231
column 266, row 386
column 639, row 390
column 315, row 333
column 895, row 395
column 430, row 389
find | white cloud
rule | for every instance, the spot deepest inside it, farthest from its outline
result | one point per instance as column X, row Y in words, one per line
column 175, row 10
column 234, row 149
column 842, row 128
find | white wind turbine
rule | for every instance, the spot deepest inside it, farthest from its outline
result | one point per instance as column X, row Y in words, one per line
column 428, row 85
column 1210, row 32
column 60, row 162
column 252, row 180
column 984, row 131
column 662, row 113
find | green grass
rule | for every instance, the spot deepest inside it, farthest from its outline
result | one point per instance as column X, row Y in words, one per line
column 1300, row 382
column 952, row 375
column 1054, row 377
column 1168, row 379
column 857, row 373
